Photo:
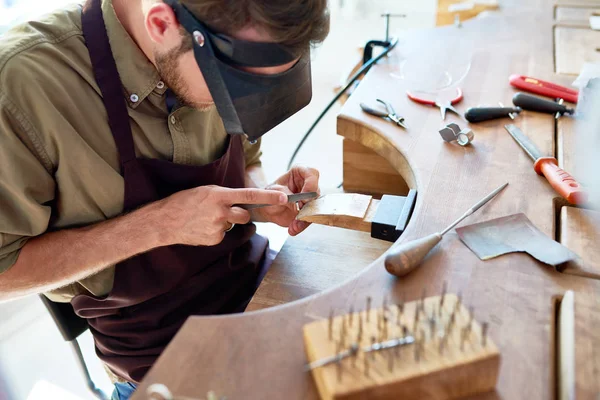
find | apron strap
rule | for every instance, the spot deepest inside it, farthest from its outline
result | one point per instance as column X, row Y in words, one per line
column 108, row 79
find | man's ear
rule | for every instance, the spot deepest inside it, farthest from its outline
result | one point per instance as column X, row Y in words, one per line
column 162, row 25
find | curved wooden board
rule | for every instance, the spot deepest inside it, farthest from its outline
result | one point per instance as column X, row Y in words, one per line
column 344, row 210
column 261, row 354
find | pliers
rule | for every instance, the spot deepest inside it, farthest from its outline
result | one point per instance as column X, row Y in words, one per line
column 443, row 106
column 390, row 114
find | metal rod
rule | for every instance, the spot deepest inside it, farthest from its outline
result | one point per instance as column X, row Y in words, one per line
column 332, row 359
column 388, row 344
column 476, row 207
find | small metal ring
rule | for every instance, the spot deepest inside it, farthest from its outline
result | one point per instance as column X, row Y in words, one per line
column 230, row 228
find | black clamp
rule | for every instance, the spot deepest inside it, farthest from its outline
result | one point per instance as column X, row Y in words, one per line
column 392, row 216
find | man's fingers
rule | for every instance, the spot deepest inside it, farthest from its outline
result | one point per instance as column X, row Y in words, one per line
column 238, row 216
column 254, row 196
column 306, row 179
column 297, row 227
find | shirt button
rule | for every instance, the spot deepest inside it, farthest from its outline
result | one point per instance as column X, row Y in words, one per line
column 173, row 120
column 134, row 98
column 160, row 85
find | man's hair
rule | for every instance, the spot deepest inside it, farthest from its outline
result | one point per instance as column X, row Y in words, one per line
column 293, row 23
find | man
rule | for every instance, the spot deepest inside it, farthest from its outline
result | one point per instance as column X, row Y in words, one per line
column 126, row 134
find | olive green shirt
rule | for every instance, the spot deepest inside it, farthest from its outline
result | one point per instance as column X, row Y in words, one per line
column 59, row 165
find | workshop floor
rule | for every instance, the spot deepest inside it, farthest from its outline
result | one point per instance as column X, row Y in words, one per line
column 35, row 364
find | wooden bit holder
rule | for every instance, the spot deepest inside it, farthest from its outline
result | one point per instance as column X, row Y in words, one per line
column 434, row 367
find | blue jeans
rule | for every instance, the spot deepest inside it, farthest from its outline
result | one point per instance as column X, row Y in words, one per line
column 123, row 391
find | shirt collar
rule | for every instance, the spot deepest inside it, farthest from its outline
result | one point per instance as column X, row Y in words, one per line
column 138, row 75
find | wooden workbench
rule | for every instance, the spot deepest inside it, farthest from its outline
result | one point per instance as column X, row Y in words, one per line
column 260, row 354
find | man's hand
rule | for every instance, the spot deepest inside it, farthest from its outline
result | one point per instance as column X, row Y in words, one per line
column 201, row 216
column 297, row 180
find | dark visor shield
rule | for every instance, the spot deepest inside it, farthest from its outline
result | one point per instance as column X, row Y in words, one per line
column 249, row 104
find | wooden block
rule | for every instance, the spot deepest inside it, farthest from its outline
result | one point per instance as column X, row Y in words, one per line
column 446, row 17
column 367, row 172
column 573, row 47
column 580, row 232
column 419, row 370
column 344, row 210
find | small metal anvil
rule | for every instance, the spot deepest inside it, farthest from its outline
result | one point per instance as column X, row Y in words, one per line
column 452, row 132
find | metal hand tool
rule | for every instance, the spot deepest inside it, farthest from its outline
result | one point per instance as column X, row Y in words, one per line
column 292, row 198
column 480, row 114
column 406, row 257
column 561, row 181
column 442, row 105
column 389, row 114
column 543, row 88
column 334, row 358
column 534, row 103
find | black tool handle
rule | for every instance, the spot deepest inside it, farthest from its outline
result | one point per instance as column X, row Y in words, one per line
column 534, row 103
column 479, row 114
column 373, row 111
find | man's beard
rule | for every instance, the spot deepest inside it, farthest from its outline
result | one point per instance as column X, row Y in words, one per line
column 167, row 65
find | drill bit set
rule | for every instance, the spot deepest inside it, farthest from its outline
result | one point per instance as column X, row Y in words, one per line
column 431, row 347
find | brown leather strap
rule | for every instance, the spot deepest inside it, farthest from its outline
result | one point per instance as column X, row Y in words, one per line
column 108, row 79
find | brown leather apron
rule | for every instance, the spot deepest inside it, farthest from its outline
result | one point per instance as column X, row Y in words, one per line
column 155, row 292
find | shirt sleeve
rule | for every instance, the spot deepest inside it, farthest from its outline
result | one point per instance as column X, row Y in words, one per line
column 252, row 152
column 26, row 184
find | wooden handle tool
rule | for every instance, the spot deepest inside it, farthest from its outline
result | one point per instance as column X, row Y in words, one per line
column 407, row 256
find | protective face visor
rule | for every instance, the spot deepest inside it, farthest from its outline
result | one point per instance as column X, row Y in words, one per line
column 249, row 104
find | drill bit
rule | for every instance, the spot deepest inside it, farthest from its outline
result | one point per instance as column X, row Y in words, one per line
column 471, row 314
column 416, row 319
column 484, row 330
column 458, row 301
column 360, row 329
column 443, row 296
column 432, row 327
column 399, row 315
column 463, row 337
column 373, row 340
column 384, row 305
column 331, row 324
column 368, row 307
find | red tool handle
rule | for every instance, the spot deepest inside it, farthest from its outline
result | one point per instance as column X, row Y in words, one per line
column 543, row 88
column 560, row 180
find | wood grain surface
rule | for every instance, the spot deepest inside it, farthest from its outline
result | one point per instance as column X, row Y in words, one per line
column 320, row 259
column 367, row 172
column 261, row 354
